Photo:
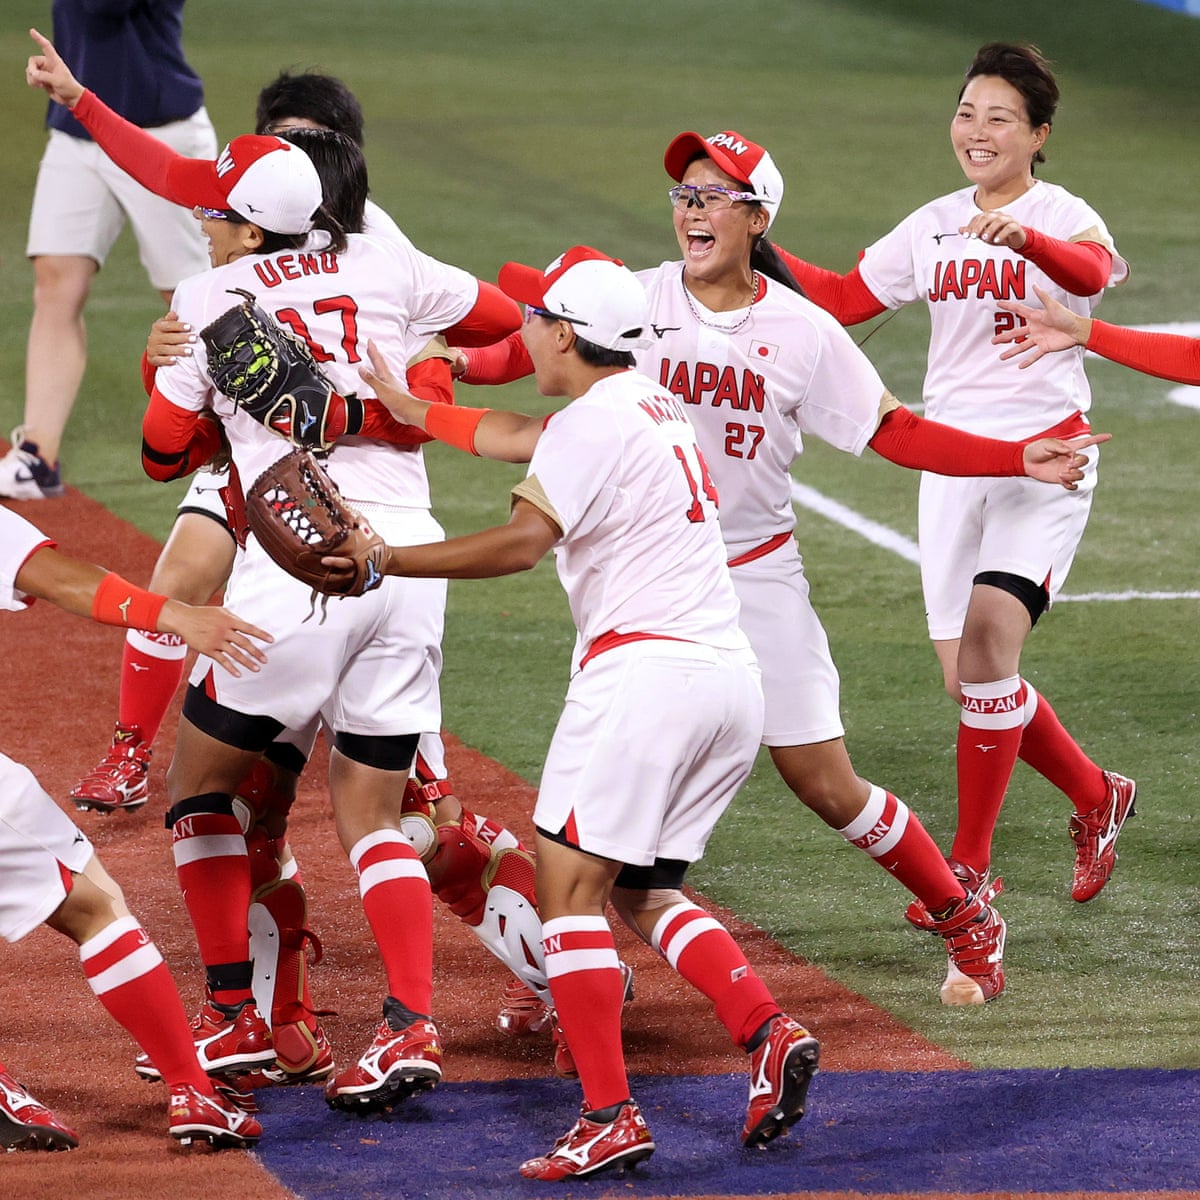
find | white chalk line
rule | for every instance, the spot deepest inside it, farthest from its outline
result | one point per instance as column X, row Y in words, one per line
column 906, row 548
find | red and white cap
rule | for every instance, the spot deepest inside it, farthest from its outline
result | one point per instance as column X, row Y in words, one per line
column 599, row 295
column 267, row 181
column 745, row 160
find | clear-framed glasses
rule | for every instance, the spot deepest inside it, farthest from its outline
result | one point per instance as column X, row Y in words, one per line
column 532, row 310
column 684, row 195
column 220, row 214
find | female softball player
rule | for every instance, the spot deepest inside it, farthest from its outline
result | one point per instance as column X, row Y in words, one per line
column 995, row 553
column 476, row 866
column 50, row 873
column 663, row 714
column 757, row 366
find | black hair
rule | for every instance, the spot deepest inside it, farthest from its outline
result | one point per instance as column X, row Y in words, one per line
column 1026, row 69
column 343, row 173
column 322, row 99
column 766, row 260
column 602, row 356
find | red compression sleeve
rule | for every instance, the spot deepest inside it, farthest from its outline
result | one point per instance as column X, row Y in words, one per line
column 455, row 426
column 493, row 317
column 175, row 441
column 139, row 154
column 427, row 380
column 911, row 441
column 1165, row 355
column 501, row 363
column 1082, row 268
column 845, row 297
column 119, row 602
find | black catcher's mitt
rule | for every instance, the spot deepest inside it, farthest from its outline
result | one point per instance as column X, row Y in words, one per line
column 271, row 373
column 298, row 516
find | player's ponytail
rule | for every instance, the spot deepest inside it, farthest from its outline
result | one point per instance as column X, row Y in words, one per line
column 765, row 259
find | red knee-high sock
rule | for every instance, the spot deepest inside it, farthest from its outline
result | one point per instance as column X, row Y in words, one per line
column 703, row 951
column 213, row 869
column 128, row 975
column 989, row 735
column 151, row 668
column 892, row 834
column 399, row 906
column 1051, row 751
column 589, row 991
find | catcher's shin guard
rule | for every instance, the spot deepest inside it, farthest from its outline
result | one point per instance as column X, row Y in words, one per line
column 278, row 946
column 492, row 892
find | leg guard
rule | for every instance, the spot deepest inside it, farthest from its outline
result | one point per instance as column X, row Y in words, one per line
column 492, row 892
column 278, row 945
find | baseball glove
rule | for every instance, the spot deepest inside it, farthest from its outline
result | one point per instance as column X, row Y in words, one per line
column 271, row 373
column 298, row 516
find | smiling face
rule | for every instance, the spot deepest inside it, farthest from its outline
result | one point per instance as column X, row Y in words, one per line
column 227, row 240
column 716, row 242
column 994, row 140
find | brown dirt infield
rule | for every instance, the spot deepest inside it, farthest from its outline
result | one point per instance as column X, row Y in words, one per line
column 60, row 703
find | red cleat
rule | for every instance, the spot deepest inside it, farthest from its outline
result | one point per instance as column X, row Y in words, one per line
column 26, row 1123
column 591, row 1146
column 399, row 1063
column 1095, row 836
column 213, row 1119
column 119, row 780
column 781, row 1069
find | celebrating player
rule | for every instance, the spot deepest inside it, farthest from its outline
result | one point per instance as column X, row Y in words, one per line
column 53, row 876
column 663, row 715
column 369, row 666
column 756, row 366
column 481, row 870
column 995, row 554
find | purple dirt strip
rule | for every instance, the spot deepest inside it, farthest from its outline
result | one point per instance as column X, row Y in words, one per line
column 880, row 1132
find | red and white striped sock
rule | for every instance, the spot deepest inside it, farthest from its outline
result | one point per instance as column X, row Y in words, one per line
column 703, row 951
column 213, row 869
column 589, row 992
column 892, row 834
column 151, row 668
column 128, row 975
column 399, row 907
column 989, row 736
column 1052, row 752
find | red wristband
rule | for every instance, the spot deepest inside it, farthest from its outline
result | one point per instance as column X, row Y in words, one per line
column 455, row 426
column 119, row 602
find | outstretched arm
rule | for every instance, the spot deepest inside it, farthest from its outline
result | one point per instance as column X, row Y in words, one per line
column 912, row 441
column 1055, row 327
column 154, row 165
column 91, row 591
column 489, row 433
column 502, row 550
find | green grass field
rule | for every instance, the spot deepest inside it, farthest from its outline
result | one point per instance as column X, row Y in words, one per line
column 512, row 130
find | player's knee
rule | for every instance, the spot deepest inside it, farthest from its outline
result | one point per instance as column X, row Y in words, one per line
column 1033, row 597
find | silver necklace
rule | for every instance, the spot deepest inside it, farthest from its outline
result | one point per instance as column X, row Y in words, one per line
column 715, row 324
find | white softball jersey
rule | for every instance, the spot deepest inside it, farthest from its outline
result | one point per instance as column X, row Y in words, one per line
column 967, row 526
column 371, row 666
column 658, row 731
column 753, row 383
column 966, row 383
column 35, row 834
